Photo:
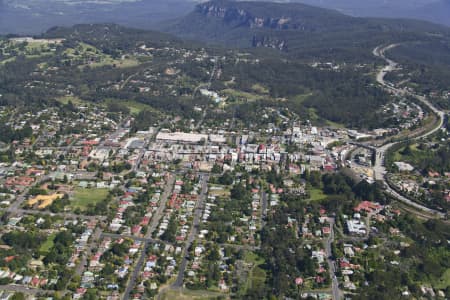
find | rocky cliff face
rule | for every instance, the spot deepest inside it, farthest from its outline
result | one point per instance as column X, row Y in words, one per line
column 269, row 42
column 242, row 17
column 238, row 17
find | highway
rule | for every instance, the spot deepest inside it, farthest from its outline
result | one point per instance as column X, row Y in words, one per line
column 379, row 168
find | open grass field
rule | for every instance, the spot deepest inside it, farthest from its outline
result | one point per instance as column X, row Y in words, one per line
column 83, row 50
column 83, row 197
column 75, row 100
column 219, row 190
column 241, row 95
column 185, row 294
column 7, row 60
column 444, row 281
column 334, row 124
column 37, row 45
column 119, row 63
column 48, row 244
column 134, row 106
column 302, row 97
column 257, row 275
column 316, row 195
column 258, row 88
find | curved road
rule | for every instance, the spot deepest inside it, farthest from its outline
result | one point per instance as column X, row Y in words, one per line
column 379, row 168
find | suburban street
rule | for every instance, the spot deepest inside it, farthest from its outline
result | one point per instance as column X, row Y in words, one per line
column 15, row 206
column 92, row 244
column 154, row 223
column 264, row 204
column 21, row 288
column 336, row 292
column 193, row 233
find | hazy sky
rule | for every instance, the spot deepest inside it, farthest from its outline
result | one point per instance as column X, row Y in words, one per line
column 35, row 16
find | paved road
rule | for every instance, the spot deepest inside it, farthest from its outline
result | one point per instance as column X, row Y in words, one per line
column 136, row 271
column 336, row 292
column 208, row 86
column 94, row 239
column 22, row 289
column 379, row 168
column 147, row 239
column 264, row 204
column 63, row 215
column 240, row 247
column 21, row 198
column 137, row 163
column 135, row 238
column 162, row 206
column 193, row 233
column 15, row 206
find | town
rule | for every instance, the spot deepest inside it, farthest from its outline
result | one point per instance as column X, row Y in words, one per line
column 129, row 215
column 238, row 194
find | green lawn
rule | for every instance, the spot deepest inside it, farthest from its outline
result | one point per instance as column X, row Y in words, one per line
column 119, row 63
column 7, row 60
column 134, row 106
column 104, row 59
column 48, row 244
column 185, row 294
column 75, row 100
column 83, row 197
column 224, row 192
column 257, row 276
column 316, row 195
column 334, row 124
column 240, row 95
column 36, row 45
column 444, row 281
column 302, row 97
column 260, row 89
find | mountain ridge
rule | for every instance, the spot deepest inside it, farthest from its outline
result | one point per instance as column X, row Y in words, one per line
column 292, row 26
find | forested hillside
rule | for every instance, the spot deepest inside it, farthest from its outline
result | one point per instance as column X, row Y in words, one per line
column 98, row 62
column 297, row 29
column 316, row 62
column 426, row 68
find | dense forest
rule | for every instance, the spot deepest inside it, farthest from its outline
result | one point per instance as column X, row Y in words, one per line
column 307, row 89
column 427, row 66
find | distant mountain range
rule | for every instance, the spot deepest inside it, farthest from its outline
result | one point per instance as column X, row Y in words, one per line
column 295, row 28
column 36, row 16
column 437, row 11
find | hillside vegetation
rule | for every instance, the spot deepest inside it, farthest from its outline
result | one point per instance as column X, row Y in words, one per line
column 297, row 29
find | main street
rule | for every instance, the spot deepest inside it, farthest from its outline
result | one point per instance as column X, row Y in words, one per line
column 379, row 167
